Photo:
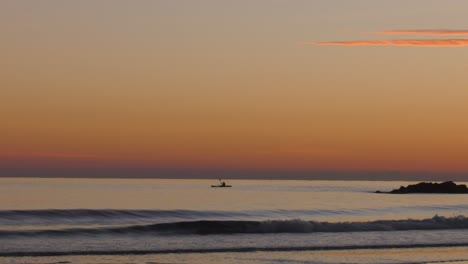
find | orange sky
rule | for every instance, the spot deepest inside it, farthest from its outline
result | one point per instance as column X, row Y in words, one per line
column 224, row 84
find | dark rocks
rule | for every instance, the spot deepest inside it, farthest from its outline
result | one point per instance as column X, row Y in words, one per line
column 430, row 187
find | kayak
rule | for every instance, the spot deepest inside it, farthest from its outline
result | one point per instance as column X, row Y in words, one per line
column 220, row 186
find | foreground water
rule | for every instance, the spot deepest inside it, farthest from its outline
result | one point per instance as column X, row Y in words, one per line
column 186, row 221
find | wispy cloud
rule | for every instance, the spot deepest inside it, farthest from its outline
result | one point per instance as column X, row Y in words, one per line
column 397, row 42
column 425, row 32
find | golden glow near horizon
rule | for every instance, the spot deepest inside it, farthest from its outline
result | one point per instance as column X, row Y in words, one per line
column 223, row 84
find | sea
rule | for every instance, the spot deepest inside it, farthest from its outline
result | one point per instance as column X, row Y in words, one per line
column 150, row 221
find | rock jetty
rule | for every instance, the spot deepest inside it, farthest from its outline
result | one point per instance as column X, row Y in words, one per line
column 430, row 187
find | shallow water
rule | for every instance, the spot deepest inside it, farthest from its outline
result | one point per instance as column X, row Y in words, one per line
column 400, row 256
column 288, row 221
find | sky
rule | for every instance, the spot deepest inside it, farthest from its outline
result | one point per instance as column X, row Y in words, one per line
column 344, row 86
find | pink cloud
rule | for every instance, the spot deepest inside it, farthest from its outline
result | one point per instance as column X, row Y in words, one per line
column 426, row 32
column 397, row 42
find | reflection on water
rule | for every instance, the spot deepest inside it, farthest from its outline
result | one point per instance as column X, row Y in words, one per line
column 397, row 256
column 83, row 215
column 324, row 200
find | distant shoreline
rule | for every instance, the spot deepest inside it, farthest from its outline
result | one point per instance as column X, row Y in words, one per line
column 216, row 178
column 230, row 174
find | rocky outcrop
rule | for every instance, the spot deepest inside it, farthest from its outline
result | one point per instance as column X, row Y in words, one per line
column 430, row 187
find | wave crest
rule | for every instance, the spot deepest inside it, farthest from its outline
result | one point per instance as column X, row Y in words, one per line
column 208, row 227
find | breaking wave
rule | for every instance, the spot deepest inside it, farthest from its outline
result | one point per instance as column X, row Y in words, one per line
column 113, row 215
column 209, row 227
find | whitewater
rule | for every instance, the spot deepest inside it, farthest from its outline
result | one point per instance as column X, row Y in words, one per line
column 186, row 221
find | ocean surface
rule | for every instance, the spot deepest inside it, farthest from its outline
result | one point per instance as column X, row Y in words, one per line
column 256, row 221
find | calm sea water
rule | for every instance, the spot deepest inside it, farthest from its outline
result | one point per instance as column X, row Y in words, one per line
column 186, row 221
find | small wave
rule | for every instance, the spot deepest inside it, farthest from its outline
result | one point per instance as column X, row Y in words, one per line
column 208, row 227
column 105, row 213
column 112, row 216
column 224, row 250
